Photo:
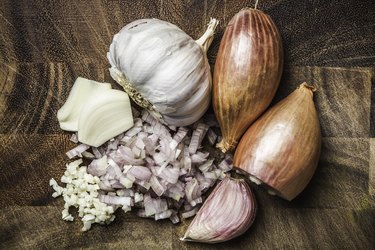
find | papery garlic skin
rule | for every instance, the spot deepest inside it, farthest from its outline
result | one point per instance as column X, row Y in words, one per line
column 163, row 69
column 282, row 148
column 227, row 213
column 83, row 90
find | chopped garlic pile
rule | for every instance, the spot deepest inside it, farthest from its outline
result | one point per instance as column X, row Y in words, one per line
column 81, row 191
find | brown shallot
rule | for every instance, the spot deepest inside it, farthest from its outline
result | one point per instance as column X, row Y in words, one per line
column 282, row 148
column 247, row 72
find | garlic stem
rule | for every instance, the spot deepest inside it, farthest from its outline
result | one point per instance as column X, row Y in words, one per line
column 206, row 39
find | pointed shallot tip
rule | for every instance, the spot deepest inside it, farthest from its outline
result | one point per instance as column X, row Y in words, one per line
column 310, row 87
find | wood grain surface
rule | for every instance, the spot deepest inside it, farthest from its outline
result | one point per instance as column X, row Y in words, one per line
column 46, row 45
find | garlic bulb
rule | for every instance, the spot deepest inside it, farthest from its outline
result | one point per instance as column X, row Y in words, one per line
column 227, row 213
column 163, row 69
column 282, row 148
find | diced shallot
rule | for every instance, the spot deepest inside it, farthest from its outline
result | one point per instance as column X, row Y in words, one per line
column 140, row 172
column 170, row 174
column 227, row 163
column 174, row 218
column 197, row 137
column 163, row 215
column 98, row 167
column 192, row 190
column 115, row 200
column 211, row 137
column 206, row 166
column 154, row 206
column 74, row 138
column 77, row 151
column 158, row 188
column 152, row 167
column 190, row 213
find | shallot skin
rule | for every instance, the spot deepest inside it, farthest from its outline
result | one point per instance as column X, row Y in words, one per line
column 247, row 73
column 282, row 147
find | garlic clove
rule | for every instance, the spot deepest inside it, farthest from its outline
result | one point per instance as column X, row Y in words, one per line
column 281, row 149
column 105, row 116
column 83, row 89
column 227, row 213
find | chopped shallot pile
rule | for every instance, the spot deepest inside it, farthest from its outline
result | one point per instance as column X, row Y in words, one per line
column 161, row 172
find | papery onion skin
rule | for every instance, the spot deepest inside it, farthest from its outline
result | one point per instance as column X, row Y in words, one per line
column 247, row 73
column 282, row 147
column 227, row 213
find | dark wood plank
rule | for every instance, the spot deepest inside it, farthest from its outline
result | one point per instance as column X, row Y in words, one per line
column 325, row 33
column 372, row 168
column 372, row 115
column 39, row 227
column 280, row 228
column 27, row 163
column 313, row 34
column 273, row 228
column 40, row 35
column 342, row 97
column 33, row 93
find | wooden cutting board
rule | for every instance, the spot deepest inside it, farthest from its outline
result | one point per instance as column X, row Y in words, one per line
column 46, row 45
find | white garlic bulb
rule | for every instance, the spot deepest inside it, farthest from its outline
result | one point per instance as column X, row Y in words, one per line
column 163, row 69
